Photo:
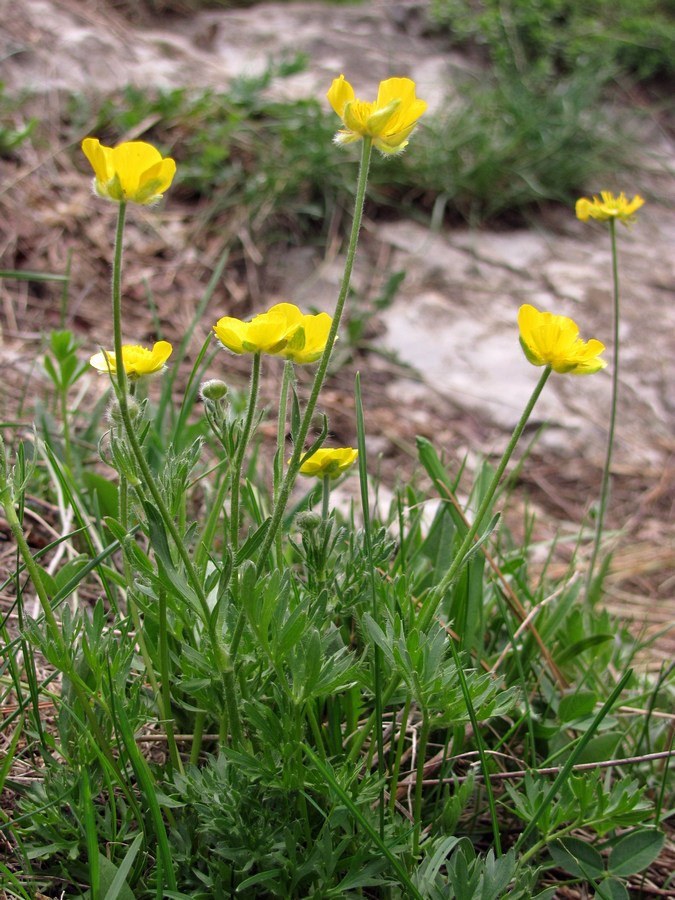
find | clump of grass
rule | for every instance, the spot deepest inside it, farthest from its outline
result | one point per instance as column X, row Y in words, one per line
column 546, row 40
column 249, row 693
column 14, row 128
column 507, row 146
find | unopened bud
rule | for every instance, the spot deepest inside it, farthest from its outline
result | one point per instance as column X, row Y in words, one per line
column 308, row 520
column 215, row 389
column 114, row 414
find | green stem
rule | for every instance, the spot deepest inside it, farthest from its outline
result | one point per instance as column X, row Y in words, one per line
column 197, row 734
column 281, row 446
column 131, row 602
column 325, row 498
column 205, row 542
column 65, row 662
column 605, row 486
column 65, row 418
column 377, row 654
column 316, row 729
column 167, row 713
column 219, row 653
column 479, row 744
column 396, row 769
column 31, row 566
column 435, row 597
column 320, row 377
column 419, row 780
column 117, row 301
column 240, row 452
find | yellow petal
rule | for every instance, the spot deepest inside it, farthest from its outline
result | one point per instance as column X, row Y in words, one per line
column 329, row 463
column 104, row 361
column 229, row 332
column 94, row 152
column 551, row 340
column 340, row 93
column 132, row 171
column 402, row 89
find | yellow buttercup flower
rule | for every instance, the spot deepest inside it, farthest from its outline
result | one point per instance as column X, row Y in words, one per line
column 138, row 361
column 550, row 340
column 133, row 171
column 327, row 463
column 281, row 331
column 607, row 206
column 307, row 341
column 389, row 121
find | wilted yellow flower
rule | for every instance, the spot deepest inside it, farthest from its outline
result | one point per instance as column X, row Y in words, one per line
column 133, row 171
column 281, row 331
column 389, row 121
column 607, row 206
column 550, row 340
column 326, row 463
column 138, row 361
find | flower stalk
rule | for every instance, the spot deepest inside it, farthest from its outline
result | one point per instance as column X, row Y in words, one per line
column 435, row 597
column 605, row 484
column 221, row 659
column 240, row 452
column 320, row 376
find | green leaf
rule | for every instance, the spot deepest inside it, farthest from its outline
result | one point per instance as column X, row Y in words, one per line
column 329, row 778
column 576, row 706
column 601, row 747
column 498, row 873
column 108, row 873
column 24, row 275
column 119, row 887
column 611, row 889
column 578, row 858
column 635, row 852
column 104, row 491
column 252, row 542
column 72, row 570
column 578, row 647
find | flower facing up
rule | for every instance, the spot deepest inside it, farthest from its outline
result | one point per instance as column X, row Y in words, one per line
column 138, row 361
column 281, row 331
column 389, row 121
column 550, row 340
column 133, row 171
column 607, row 206
column 326, row 463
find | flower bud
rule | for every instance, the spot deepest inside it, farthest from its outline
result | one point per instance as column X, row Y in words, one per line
column 114, row 414
column 215, row 389
column 308, row 520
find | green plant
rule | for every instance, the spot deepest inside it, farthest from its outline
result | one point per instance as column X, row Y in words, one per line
column 337, row 707
column 552, row 38
column 508, row 145
column 14, row 129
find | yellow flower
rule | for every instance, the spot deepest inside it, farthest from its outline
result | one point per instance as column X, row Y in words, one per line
column 281, row 331
column 389, row 121
column 138, row 361
column 327, row 463
column 307, row 342
column 133, row 171
column 607, row 206
column 550, row 340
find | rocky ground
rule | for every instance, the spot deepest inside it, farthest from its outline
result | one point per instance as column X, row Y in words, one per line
column 443, row 358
